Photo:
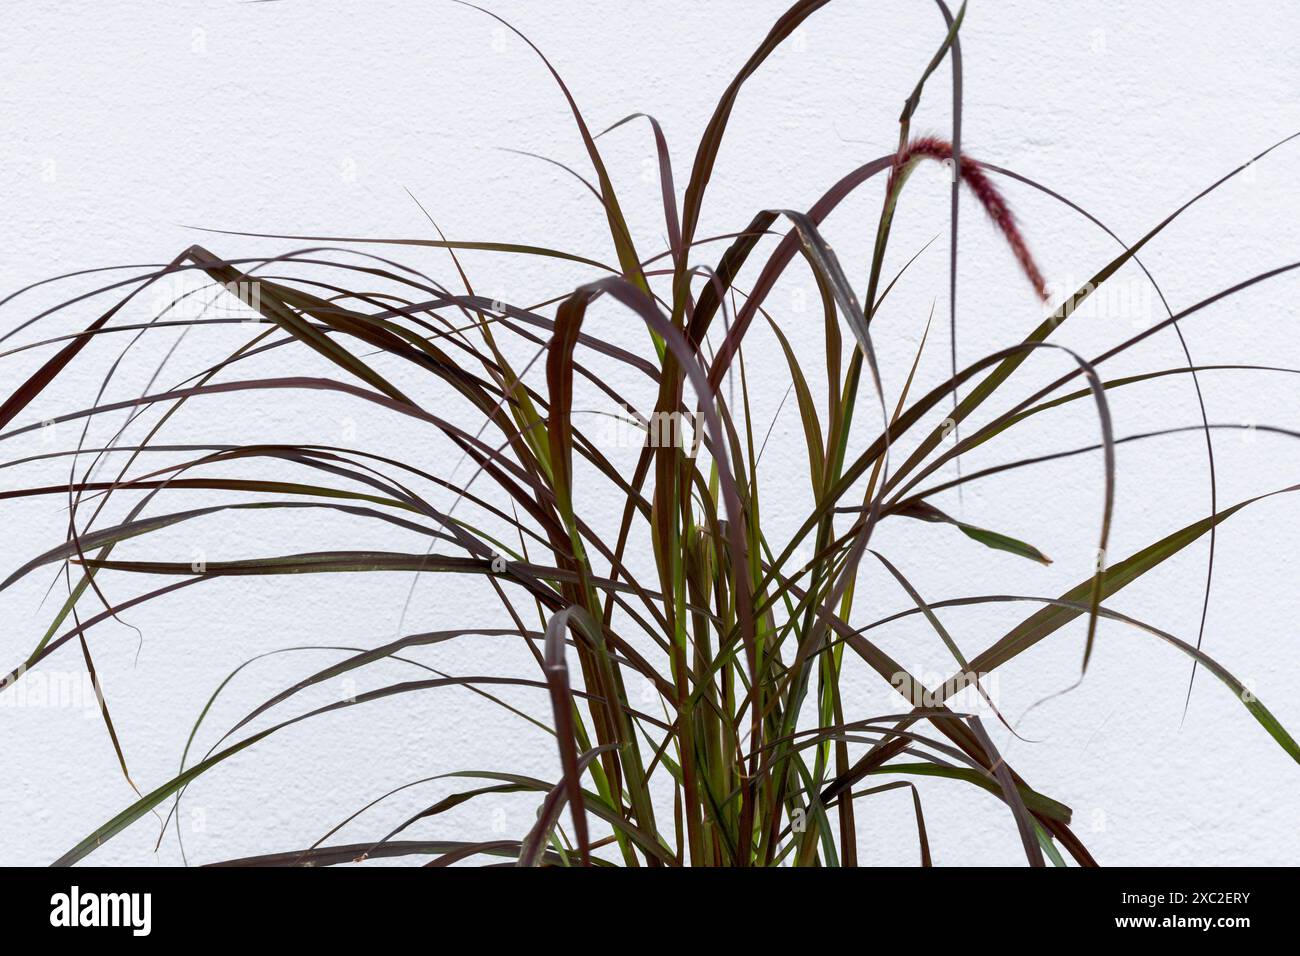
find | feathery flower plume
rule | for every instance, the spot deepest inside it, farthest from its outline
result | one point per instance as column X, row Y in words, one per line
column 931, row 147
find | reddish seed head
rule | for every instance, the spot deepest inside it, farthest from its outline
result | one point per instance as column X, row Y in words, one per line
column 972, row 173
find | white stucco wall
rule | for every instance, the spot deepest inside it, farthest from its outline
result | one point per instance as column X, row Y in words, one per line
column 124, row 123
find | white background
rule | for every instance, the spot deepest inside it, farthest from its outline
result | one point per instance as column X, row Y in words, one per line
column 126, row 123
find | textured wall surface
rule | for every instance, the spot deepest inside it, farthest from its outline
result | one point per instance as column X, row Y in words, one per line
column 127, row 124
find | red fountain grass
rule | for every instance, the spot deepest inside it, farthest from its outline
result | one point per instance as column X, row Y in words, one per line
column 974, row 176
